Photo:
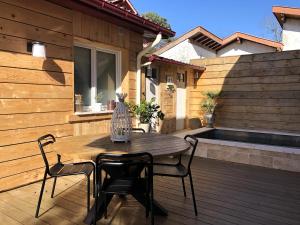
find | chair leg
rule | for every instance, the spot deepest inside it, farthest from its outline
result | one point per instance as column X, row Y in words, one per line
column 41, row 195
column 94, row 184
column 151, row 206
column 88, row 193
column 105, row 205
column 53, row 187
column 193, row 193
column 183, row 186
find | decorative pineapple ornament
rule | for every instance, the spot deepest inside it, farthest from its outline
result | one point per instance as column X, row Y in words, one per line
column 121, row 121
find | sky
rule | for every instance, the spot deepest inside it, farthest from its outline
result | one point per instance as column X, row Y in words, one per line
column 221, row 17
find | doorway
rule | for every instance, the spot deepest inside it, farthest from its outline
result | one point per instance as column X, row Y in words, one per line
column 181, row 100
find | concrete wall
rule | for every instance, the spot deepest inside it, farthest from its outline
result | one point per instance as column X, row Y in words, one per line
column 244, row 48
column 291, row 34
column 185, row 51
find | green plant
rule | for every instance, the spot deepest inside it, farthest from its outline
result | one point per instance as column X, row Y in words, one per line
column 170, row 88
column 209, row 103
column 146, row 111
column 156, row 18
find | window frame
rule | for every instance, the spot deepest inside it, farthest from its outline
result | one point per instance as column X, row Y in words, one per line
column 94, row 48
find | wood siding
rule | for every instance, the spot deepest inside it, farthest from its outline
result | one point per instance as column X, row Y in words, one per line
column 168, row 100
column 260, row 91
column 36, row 95
column 90, row 30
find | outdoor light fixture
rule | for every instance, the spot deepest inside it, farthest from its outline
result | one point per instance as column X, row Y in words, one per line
column 196, row 74
column 37, row 49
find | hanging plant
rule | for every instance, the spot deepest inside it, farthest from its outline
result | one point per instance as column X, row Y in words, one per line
column 170, row 88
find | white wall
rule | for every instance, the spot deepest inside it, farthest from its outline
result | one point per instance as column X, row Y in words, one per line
column 185, row 51
column 245, row 48
column 291, row 34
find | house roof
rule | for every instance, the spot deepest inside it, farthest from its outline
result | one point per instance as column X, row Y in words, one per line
column 282, row 12
column 156, row 58
column 124, row 4
column 238, row 36
column 203, row 37
column 198, row 35
column 106, row 9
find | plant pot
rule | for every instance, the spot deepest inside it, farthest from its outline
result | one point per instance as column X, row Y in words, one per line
column 97, row 107
column 209, row 119
column 145, row 126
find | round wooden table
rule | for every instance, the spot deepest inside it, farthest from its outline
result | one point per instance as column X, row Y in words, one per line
column 88, row 147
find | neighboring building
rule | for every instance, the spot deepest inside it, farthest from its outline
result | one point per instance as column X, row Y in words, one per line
column 244, row 44
column 289, row 20
column 200, row 43
column 124, row 4
column 197, row 43
column 166, row 81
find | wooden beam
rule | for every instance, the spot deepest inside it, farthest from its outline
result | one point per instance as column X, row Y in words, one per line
column 200, row 38
column 209, row 43
column 215, row 47
column 204, row 40
column 212, row 44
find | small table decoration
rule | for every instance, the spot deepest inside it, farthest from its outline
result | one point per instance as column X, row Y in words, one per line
column 121, row 124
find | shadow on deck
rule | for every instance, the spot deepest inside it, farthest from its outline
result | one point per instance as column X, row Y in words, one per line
column 226, row 194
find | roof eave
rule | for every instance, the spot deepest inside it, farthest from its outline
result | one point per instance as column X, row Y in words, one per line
column 103, row 6
column 156, row 58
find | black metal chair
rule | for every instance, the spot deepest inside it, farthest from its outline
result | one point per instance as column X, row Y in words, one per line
column 179, row 170
column 59, row 169
column 138, row 130
column 123, row 176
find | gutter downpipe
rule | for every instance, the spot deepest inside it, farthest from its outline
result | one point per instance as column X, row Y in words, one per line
column 139, row 59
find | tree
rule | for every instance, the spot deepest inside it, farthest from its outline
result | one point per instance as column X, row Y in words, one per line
column 155, row 18
column 272, row 27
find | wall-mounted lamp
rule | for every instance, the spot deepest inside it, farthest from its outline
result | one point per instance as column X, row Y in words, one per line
column 196, row 74
column 37, row 49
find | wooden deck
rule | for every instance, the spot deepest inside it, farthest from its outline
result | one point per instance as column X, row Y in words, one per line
column 226, row 194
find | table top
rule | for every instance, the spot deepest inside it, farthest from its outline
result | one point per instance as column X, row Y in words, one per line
column 89, row 146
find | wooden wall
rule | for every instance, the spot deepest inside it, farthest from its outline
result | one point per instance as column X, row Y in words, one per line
column 36, row 95
column 89, row 30
column 260, row 91
column 167, row 100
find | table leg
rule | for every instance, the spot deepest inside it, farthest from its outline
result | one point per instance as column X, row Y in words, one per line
column 100, row 209
column 158, row 209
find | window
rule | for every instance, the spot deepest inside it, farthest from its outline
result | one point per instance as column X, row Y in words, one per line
column 97, row 78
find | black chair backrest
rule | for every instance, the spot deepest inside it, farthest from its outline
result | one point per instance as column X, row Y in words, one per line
column 140, row 130
column 124, row 166
column 42, row 142
column 193, row 142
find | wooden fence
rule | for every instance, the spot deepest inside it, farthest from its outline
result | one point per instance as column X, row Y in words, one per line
column 260, row 91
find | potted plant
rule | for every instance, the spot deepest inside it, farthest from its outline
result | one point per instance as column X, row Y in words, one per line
column 98, row 104
column 146, row 112
column 208, row 106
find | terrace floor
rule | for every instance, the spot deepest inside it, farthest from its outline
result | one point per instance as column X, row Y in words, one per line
column 226, row 194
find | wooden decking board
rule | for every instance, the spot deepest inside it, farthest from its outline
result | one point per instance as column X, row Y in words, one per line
column 235, row 202
column 226, row 194
column 236, row 211
column 241, row 197
column 245, row 189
